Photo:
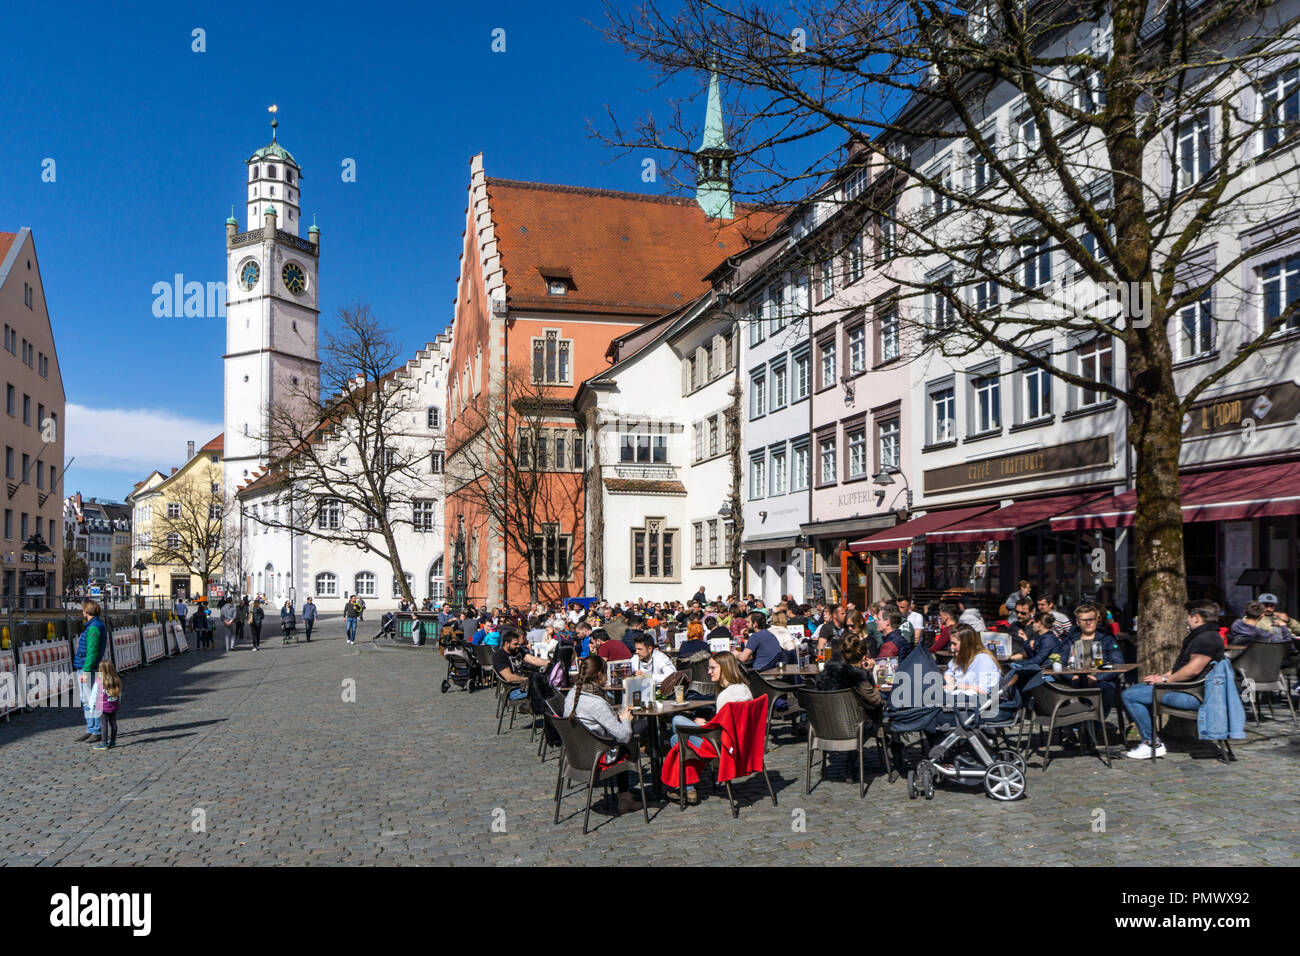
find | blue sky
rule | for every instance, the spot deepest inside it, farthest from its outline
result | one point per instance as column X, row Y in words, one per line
column 149, row 140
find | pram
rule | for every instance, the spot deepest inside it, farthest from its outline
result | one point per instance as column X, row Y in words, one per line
column 462, row 667
column 387, row 626
column 973, row 748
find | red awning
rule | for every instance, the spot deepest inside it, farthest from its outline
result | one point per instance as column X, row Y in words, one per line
column 1002, row 524
column 901, row 535
column 1257, row 491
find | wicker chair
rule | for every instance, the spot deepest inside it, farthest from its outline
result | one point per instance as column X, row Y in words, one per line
column 837, row 721
column 1259, row 669
column 760, row 685
column 483, row 654
column 555, row 708
column 580, row 763
column 519, row 707
column 1056, row 706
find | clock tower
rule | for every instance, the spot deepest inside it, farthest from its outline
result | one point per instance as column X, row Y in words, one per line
column 272, row 312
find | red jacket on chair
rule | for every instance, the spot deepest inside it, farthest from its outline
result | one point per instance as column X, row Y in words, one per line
column 741, row 721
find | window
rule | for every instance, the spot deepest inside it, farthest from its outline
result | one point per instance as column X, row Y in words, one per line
column 699, row 543
column 433, row 417
column 985, row 297
column 1192, row 151
column 524, row 453
column 397, row 590
column 1086, row 92
column 11, row 400
column 173, row 510
column 981, row 170
column 941, row 305
column 713, row 541
column 560, row 456
column 942, row 423
column 855, row 259
column 856, row 183
column 9, row 461
column 1196, row 328
column 543, row 453
column 1095, row 364
column 857, row 349
column 364, row 584
column 330, row 516
column 426, row 514
column 551, row 359
column 1280, row 286
column 799, row 467
column 654, row 551
column 857, row 452
column 729, row 349
column 1281, row 106
column 888, row 441
column 1025, row 131
column 826, row 457
column 757, row 322
column 698, row 444
column 827, row 365
column 889, row 234
column 214, row 512
column 1036, row 262
column 825, row 279
column 779, row 471
column 986, row 394
column 757, row 478
column 557, row 287
column 1036, row 393
column 890, row 342
column 644, row 449
column 715, row 426
column 437, row 581
column 758, row 395
column 327, row 584
column 775, row 307
column 436, row 462
column 779, row 384
column 550, row 553
column 802, row 375
column 214, row 488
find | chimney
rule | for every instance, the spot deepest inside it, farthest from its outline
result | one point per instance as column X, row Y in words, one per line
column 174, row 470
column 189, row 451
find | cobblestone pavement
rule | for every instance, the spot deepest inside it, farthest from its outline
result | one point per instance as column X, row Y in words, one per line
column 263, row 750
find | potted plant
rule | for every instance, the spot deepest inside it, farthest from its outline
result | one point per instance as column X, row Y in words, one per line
column 1055, row 660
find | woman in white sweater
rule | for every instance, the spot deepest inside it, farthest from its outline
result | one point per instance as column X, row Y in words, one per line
column 594, row 712
column 973, row 668
column 724, row 670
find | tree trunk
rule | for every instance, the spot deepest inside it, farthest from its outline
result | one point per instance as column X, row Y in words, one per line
column 1156, row 435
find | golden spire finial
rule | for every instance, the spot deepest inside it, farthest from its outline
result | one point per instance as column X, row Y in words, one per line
column 272, row 109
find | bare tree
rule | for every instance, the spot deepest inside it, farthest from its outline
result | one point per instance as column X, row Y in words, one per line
column 191, row 531
column 505, row 468
column 347, row 470
column 1142, row 134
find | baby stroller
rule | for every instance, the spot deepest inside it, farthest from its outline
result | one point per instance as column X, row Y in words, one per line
column 462, row 667
column 387, row 626
column 967, row 753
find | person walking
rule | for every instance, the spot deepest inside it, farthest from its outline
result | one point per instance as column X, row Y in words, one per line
column 181, row 611
column 287, row 622
column 241, row 618
column 309, row 617
column 90, row 651
column 228, row 622
column 201, row 627
column 350, row 614
column 256, row 616
column 110, row 698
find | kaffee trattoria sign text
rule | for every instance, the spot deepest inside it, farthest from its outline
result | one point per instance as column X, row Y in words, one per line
column 1003, row 469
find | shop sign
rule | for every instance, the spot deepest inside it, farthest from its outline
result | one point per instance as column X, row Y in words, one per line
column 1259, row 407
column 1005, row 469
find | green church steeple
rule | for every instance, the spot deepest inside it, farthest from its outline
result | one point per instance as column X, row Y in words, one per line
column 713, row 159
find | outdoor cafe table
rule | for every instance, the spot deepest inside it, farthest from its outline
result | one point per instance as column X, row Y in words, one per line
column 790, row 671
column 669, row 709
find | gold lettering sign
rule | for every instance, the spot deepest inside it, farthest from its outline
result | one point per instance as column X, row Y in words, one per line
column 1091, row 453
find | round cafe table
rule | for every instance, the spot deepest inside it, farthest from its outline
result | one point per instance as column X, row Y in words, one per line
column 668, row 709
column 791, row 670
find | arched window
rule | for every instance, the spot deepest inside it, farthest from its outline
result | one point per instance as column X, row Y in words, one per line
column 437, row 582
column 256, row 171
column 270, row 172
column 397, row 591
column 327, row 584
column 365, row 584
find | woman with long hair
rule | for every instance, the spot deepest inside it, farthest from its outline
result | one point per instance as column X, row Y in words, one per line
column 973, row 668
column 857, row 626
column 724, row 670
column 586, row 704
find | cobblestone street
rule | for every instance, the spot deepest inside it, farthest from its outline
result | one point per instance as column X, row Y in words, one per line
column 263, row 751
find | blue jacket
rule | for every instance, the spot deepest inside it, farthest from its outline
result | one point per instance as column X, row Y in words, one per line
column 1049, row 644
column 1221, row 717
column 309, row 611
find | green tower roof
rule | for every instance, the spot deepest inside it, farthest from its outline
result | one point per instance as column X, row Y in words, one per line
column 715, row 136
column 273, row 150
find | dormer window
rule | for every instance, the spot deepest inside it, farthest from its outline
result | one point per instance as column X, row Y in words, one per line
column 557, row 287
column 558, row 280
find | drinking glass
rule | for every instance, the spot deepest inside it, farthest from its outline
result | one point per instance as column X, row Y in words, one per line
column 679, row 694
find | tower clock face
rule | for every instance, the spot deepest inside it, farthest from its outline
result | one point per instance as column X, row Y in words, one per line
column 249, row 273
column 295, row 280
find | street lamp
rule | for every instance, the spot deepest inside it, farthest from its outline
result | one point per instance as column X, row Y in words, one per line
column 885, row 478
column 36, row 546
column 140, row 569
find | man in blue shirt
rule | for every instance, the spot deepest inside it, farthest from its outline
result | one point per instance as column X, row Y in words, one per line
column 761, row 647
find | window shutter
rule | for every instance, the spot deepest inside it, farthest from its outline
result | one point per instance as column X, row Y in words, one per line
column 686, row 376
column 719, row 356
column 702, row 363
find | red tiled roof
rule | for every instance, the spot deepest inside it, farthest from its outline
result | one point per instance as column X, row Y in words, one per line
column 623, row 252
column 217, row 444
column 6, row 240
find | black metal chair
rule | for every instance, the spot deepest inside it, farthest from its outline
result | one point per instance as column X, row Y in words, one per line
column 1195, row 688
column 580, row 752
column 1259, row 670
column 837, row 721
column 760, row 685
column 1056, row 707
column 519, row 707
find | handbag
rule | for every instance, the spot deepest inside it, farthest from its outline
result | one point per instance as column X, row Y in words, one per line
column 671, row 681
